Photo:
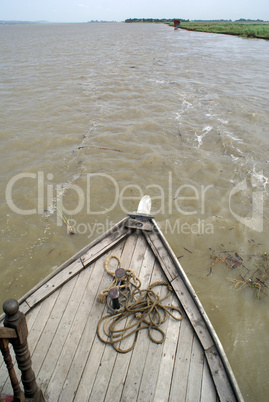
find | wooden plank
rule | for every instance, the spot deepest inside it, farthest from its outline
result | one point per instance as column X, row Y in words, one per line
column 31, row 316
column 66, row 355
column 95, row 347
column 121, row 377
column 89, row 373
column 154, row 353
column 69, row 312
column 108, row 242
column 55, row 282
column 90, row 369
column 38, row 325
column 99, row 279
column 195, row 372
column 203, row 327
column 51, row 326
column 162, row 254
column 79, row 378
column 24, row 307
column 139, row 224
column 117, row 372
column 208, row 392
column 72, row 378
column 7, row 333
column 182, row 362
column 167, row 263
column 167, row 361
column 128, row 251
column 192, row 312
column 222, row 383
column 130, row 259
column 50, row 287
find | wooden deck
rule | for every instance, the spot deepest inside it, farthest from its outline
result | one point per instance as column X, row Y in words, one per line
column 72, row 364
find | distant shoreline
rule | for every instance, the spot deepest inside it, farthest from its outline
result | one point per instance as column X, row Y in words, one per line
column 258, row 30
column 3, row 22
column 243, row 28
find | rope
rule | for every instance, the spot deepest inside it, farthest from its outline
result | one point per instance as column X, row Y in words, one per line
column 142, row 309
column 129, row 279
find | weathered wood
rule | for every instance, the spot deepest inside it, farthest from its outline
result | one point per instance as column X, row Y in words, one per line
column 139, row 224
column 5, row 386
column 107, row 243
column 204, row 329
column 45, row 341
column 95, row 349
column 222, row 383
column 94, row 310
column 77, row 309
column 167, row 262
column 128, row 369
column 63, row 314
column 6, row 333
column 51, row 286
column 167, row 360
column 192, row 312
column 16, row 320
column 183, row 357
column 72, row 363
column 208, row 391
column 37, row 321
column 31, row 316
column 133, row 260
column 153, row 355
column 162, row 254
column 17, row 392
column 24, row 307
column 195, row 371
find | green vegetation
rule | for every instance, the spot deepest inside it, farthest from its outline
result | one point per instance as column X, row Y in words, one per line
column 239, row 28
column 242, row 27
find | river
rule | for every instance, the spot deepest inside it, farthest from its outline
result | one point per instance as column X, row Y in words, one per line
column 93, row 116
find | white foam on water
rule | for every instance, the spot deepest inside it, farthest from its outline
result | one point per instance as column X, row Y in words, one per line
column 259, row 179
column 205, row 131
column 187, row 104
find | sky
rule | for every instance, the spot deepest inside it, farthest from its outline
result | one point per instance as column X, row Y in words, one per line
column 119, row 10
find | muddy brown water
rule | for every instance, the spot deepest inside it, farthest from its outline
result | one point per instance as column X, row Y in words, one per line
column 93, row 116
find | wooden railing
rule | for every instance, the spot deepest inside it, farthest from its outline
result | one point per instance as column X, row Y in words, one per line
column 15, row 332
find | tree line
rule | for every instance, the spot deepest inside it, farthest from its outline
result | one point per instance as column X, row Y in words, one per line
column 162, row 20
column 170, row 20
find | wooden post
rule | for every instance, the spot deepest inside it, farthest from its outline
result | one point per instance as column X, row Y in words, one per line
column 16, row 320
column 18, row 394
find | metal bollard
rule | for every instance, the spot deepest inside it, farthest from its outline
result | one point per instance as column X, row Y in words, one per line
column 114, row 296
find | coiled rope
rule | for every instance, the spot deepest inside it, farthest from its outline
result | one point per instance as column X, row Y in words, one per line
column 130, row 279
column 142, row 309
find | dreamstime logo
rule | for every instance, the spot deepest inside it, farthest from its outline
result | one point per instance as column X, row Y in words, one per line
column 186, row 200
